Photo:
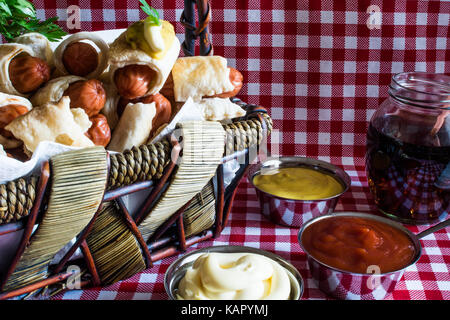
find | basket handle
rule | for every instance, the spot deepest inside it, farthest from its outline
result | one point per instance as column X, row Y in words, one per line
column 192, row 31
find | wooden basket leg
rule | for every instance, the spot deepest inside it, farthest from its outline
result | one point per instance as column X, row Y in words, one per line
column 81, row 238
column 163, row 228
column 204, row 14
column 219, row 202
column 89, row 259
column 134, row 229
column 157, row 190
column 181, row 234
column 192, row 31
column 188, row 21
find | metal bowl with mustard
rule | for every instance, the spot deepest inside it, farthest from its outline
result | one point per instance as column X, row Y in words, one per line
column 293, row 190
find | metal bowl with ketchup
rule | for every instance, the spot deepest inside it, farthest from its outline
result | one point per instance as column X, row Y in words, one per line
column 292, row 198
column 359, row 256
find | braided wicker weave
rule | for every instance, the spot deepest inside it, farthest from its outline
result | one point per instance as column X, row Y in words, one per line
column 146, row 162
column 17, row 198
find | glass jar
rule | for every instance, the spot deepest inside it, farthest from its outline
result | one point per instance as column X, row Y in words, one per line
column 408, row 149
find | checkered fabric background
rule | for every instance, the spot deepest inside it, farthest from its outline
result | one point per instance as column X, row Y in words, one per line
column 321, row 72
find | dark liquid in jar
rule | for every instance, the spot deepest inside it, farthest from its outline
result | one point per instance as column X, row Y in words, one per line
column 409, row 180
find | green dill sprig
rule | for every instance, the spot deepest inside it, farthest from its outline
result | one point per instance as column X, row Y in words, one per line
column 153, row 15
column 19, row 16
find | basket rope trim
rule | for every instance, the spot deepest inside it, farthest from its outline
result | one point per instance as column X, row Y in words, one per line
column 78, row 183
column 203, row 144
column 17, row 198
column 143, row 163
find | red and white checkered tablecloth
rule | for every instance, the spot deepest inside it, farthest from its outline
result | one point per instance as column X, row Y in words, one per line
column 428, row 279
column 321, row 72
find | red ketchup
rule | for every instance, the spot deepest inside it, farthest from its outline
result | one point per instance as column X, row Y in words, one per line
column 353, row 244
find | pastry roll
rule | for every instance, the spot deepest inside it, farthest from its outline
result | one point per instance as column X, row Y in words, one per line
column 163, row 108
column 11, row 107
column 39, row 44
column 135, row 69
column 53, row 90
column 200, row 76
column 52, row 122
column 75, row 56
column 110, row 108
column 134, row 126
column 8, row 52
column 218, row 109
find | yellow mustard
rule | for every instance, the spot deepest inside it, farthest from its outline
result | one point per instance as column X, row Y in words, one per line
column 298, row 183
column 150, row 42
column 234, row 276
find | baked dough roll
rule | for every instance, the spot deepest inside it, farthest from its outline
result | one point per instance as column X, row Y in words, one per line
column 2, row 151
column 218, row 109
column 200, row 76
column 8, row 52
column 76, row 56
column 134, row 126
column 39, row 44
column 11, row 107
column 53, row 90
column 110, row 108
column 135, row 70
column 55, row 122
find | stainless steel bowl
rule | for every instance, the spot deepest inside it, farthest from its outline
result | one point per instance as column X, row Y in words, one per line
column 177, row 269
column 293, row 213
column 357, row 286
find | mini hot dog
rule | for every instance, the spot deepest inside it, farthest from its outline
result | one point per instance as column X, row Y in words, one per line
column 163, row 109
column 202, row 77
column 75, row 56
column 21, row 73
column 134, row 81
column 39, row 44
column 28, row 73
column 88, row 95
column 80, row 59
column 138, row 67
column 11, row 107
column 236, row 79
column 99, row 132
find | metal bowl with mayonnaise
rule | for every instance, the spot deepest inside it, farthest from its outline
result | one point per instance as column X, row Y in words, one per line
column 293, row 190
column 232, row 273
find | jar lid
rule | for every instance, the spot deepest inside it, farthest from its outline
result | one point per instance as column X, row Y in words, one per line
column 428, row 90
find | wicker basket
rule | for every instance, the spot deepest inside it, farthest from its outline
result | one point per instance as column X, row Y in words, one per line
column 80, row 195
